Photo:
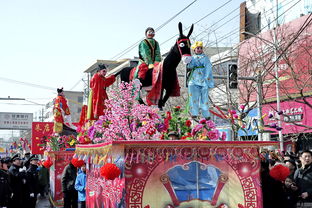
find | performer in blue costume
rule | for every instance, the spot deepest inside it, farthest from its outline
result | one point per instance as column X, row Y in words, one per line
column 199, row 81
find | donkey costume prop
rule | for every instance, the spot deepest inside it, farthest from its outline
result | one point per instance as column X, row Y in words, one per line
column 169, row 79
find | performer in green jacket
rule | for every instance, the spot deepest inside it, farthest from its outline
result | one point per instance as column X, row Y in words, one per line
column 149, row 53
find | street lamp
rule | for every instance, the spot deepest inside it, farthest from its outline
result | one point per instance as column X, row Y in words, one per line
column 278, row 105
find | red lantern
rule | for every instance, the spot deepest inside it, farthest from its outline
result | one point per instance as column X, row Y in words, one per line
column 77, row 163
column 279, row 172
column 110, row 171
column 47, row 163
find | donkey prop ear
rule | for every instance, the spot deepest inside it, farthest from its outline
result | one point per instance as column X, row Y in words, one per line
column 190, row 32
column 180, row 29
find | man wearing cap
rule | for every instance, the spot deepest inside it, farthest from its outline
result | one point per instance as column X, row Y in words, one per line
column 199, row 81
column 60, row 110
column 33, row 181
column 149, row 53
column 5, row 188
column 17, row 177
column 98, row 95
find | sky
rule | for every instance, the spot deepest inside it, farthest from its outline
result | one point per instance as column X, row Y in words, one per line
column 46, row 44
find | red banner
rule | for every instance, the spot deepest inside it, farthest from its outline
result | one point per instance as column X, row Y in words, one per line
column 39, row 129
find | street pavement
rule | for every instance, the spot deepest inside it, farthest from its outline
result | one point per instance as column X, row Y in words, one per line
column 43, row 203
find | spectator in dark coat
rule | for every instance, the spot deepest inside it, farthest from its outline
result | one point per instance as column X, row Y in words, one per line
column 43, row 180
column 68, row 186
column 272, row 189
column 303, row 176
column 5, row 188
column 17, row 177
column 33, row 181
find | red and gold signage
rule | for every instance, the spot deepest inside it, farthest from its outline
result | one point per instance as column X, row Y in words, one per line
column 39, row 130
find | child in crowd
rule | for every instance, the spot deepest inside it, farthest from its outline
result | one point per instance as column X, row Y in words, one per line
column 80, row 186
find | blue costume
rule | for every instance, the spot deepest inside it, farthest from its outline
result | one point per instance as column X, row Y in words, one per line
column 199, row 82
column 80, row 186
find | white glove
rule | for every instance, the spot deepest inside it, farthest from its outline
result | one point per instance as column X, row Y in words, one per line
column 32, row 195
column 22, row 169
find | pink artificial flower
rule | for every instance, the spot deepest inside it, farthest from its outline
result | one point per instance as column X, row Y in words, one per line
column 242, row 107
column 197, row 128
column 213, row 135
column 210, row 124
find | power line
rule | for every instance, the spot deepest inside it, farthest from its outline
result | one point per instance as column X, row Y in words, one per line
column 229, row 34
column 157, row 29
column 198, row 21
column 26, row 83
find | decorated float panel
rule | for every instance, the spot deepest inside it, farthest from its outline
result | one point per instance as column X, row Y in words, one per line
column 59, row 160
column 157, row 174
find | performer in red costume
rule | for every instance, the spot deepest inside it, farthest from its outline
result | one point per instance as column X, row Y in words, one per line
column 98, row 95
column 60, row 110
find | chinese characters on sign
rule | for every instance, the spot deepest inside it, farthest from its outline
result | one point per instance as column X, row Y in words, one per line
column 39, row 129
column 19, row 121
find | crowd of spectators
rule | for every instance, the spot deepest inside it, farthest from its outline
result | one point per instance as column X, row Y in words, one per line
column 286, row 179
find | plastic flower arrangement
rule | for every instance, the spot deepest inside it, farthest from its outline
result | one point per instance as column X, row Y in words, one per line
column 178, row 122
column 57, row 143
column 125, row 119
column 206, row 130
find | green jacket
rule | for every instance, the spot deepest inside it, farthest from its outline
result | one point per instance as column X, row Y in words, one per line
column 149, row 51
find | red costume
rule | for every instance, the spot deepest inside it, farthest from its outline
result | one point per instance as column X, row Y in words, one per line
column 60, row 109
column 98, row 95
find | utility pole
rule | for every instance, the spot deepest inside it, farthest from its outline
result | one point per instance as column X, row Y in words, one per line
column 278, row 102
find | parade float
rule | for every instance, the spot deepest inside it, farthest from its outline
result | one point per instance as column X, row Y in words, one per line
column 132, row 160
column 57, row 151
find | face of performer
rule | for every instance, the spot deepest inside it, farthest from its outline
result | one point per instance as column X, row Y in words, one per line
column 103, row 72
column 150, row 34
column 198, row 50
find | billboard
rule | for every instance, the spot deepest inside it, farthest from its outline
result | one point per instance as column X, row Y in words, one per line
column 18, row 121
column 257, row 57
column 296, row 117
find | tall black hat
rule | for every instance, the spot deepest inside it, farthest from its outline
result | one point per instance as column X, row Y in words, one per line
column 102, row 66
column 59, row 90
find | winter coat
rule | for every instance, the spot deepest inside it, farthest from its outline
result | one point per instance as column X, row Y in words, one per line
column 33, row 179
column 68, row 178
column 80, row 185
column 43, row 176
column 5, row 189
column 19, row 187
column 303, row 179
